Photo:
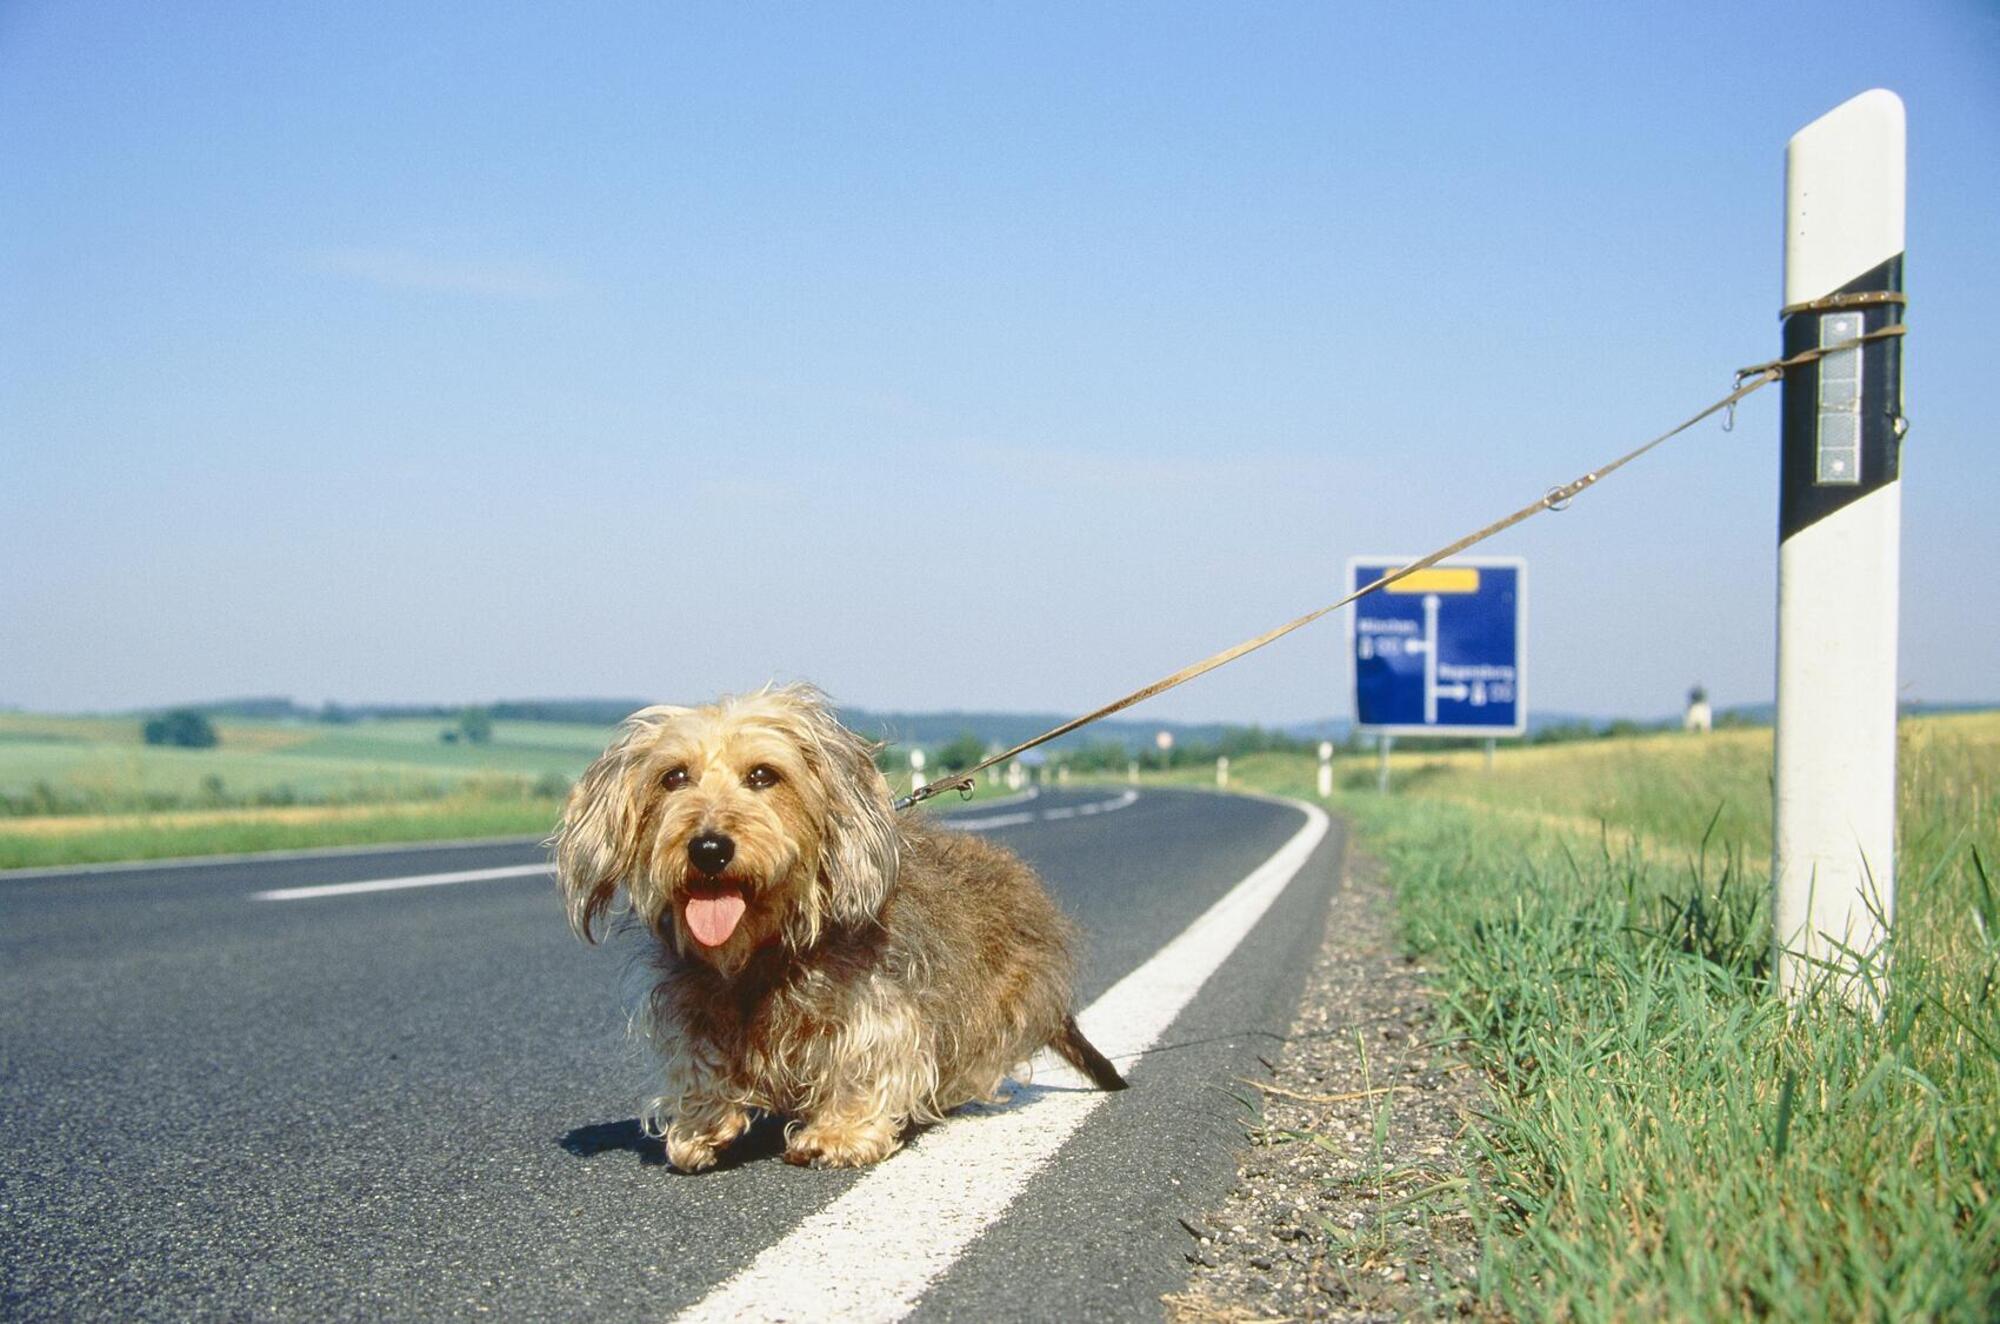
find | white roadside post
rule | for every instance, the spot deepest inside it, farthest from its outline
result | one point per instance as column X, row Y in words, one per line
column 1222, row 771
column 1840, row 526
column 917, row 782
column 1326, row 769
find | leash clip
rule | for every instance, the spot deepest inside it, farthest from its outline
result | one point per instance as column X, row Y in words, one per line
column 963, row 784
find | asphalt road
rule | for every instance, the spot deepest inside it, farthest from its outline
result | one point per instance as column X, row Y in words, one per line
column 420, row 1104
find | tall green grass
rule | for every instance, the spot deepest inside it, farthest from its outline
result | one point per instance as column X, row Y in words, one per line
column 1667, row 1139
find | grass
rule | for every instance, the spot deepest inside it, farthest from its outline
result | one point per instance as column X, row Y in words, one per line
column 1666, row 1139
column 85, row 790
column 168, row 836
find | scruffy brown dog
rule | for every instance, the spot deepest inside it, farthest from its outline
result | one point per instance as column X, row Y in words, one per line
column 819, row 958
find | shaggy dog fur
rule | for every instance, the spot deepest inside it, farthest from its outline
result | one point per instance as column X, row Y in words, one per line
column 818, row 957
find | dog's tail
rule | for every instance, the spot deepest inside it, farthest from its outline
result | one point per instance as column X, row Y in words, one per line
column 1081, row 1054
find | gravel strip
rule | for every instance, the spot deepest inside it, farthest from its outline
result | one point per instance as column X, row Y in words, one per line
column 1335, row 1215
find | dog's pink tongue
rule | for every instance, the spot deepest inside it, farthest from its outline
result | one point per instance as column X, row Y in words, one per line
column 713, row 917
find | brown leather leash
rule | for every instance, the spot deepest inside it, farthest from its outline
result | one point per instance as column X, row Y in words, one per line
column 1748, row 381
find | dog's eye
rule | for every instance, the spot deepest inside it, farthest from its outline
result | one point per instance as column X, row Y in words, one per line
column 761, row 778
column 675, row 779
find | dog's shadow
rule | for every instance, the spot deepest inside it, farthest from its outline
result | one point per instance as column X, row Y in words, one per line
column 766, row 1137
column 764, row 1140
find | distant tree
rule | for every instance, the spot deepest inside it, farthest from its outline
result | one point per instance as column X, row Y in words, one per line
column 186, row 728
column 961, row 752
column 476, row 725
column 1099, row 756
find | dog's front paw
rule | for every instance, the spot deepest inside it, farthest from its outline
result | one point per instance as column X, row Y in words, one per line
column 694, row 1144
column 843, row 1144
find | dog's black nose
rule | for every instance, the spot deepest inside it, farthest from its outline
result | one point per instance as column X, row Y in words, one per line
column 711, row 853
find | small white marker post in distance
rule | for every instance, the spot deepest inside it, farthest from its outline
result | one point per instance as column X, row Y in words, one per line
column 917, row 782
column 1326, row 769
column 1840, row 530
column 1222, row 771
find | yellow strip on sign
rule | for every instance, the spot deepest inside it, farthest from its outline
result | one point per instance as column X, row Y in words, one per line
column 1438, row 579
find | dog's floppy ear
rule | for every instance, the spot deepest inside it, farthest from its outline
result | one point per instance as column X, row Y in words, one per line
column 858, row 856
column 597, row 845
column 861, row 859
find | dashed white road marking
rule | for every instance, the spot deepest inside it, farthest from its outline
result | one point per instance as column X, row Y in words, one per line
column 1042, row 815
column 872, row 1253
column 529, row 870
column 1018, row 797
column 398, row 884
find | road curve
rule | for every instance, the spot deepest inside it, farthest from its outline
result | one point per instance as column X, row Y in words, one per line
column 418, row 1102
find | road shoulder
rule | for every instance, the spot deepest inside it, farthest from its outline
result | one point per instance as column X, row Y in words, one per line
column 1334, row 1214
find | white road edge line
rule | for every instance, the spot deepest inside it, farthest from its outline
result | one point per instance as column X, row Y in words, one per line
column 36, row 874
column 903, row 1225
column 398, row 884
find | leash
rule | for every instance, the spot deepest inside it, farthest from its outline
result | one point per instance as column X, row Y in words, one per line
column 1747, row 382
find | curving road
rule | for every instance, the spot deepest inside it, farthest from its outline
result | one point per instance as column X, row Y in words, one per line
column 249, row 1088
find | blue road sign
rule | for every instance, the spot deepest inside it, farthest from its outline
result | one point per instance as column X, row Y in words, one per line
column 1441, row 651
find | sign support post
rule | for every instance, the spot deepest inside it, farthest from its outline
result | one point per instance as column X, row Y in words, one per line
column 1840, row 529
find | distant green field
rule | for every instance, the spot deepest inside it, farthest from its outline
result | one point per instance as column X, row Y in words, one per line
column 109, row 766
column 532, row 748
column 74, row 790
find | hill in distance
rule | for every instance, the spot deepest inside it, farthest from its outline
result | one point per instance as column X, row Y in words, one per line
column 930, row 729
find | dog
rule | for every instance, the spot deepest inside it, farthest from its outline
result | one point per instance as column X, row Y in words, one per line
column 816, row 956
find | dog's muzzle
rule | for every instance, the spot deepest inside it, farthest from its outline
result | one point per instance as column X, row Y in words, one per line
column 714, row 903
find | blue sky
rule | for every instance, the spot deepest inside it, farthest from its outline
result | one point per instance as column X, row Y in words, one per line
column 949, row 356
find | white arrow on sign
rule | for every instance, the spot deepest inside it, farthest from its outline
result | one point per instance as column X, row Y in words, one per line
column 1430, row 659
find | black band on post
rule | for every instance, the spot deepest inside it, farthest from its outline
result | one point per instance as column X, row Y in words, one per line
column 1804, row 497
